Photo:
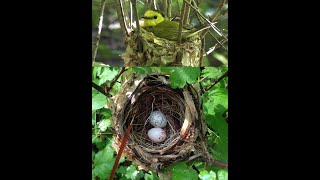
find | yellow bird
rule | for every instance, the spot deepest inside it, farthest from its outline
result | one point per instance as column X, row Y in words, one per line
column 157, row 23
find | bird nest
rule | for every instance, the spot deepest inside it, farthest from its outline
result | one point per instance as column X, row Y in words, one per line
column 181, row 107
column 146, row 49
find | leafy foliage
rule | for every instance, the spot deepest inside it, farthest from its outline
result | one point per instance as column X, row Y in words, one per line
column 98, row 101
column 179, row 77
column 222, row 174
column 205, row 175
column 215, row 106
column 150, row 176
column 103, row 163
column 181, row 170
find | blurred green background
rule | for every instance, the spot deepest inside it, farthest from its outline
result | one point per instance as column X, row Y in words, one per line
column 111, row 44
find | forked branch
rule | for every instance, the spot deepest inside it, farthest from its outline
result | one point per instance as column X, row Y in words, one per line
column 107, row 90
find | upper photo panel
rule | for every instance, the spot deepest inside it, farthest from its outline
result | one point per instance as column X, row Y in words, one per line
column 160, row 33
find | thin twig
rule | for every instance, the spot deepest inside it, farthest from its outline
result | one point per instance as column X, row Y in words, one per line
column 186, row 14
column 202, row 52
column 181, row 22
column 108, row 89
column 215, row 82
column 199, row 16
column 223, row 13
column 131, row 15
column 220, row 164
column 221, row 44
column 165, row 7
column 100, row 89
column 134, row 7
column 169, row 8
column 217, row 12
column 120, row 13
column 103, row 3
column 216, row 46
column 207, row 20
column 121, row 148
column 155, row 4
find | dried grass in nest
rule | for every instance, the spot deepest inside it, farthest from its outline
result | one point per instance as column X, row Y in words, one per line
column 149, row 50
column 184, row 129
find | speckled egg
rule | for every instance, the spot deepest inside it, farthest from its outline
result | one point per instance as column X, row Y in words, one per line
column 157, row 135
column 158, row 119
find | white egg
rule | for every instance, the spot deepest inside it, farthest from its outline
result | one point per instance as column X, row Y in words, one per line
column 157, row 134
column 158, row 119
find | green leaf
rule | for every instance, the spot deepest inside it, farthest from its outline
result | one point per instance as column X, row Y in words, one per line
column 213, row 72
column 105, row 112
column 121, row 172
column 103, row 163
column 222, row 175
column 180, row 170
column 150, row 176
column 104, row 124
column 107, row 74
column 216, row 101
column 93, row 154
column 133, row 173
column 93, row 118
column 142, row 70
column 204, row 175
column 181, row 76
column 98, row 101
column 221, row 144
column 94, row 92
column 100, row 144
column 122, row 159
column 215, row 105
column 95, row 72
column 115, row 89
column 199, row 165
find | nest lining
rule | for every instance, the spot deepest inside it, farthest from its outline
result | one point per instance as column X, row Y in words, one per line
column 164, row 100
column 184, row 127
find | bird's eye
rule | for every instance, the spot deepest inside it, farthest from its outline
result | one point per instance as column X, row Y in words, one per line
column 155, row 17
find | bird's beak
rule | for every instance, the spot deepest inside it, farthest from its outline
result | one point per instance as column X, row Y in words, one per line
column 144, row 17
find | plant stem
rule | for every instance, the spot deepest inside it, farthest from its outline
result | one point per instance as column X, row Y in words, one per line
column 215, row 82
column 100, row 89
column 217, row 12
column 186, row 14
column 121, row 148
column 207, row 20
column 165, row 7
column 220, row 164
column 169, row 8
column 134, row 6
column 216, row 46
column 108, row 89
column 120, row 13
column 103, row 4
column 181, row 22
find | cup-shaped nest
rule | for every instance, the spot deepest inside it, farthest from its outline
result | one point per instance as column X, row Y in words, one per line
column 184, row 129
column 146, row 49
